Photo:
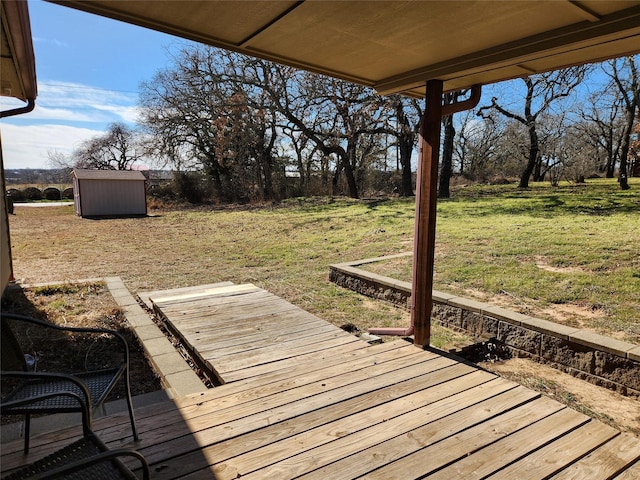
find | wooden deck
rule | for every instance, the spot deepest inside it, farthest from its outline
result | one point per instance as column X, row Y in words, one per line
column 241, row 331
column 294, row 406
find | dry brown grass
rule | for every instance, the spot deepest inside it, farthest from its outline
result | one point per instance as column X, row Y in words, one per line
column 77, row 305
column 284, row 250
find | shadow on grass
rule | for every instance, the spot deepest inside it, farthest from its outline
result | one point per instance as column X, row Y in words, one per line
column 67, row 352
column 545, row 203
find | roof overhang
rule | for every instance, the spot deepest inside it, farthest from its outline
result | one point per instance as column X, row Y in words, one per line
column 18, row 66
column 94, row 174
column 396, row 46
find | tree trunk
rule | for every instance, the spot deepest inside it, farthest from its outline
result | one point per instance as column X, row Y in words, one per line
column 264, row 154
column 446, row 168
column 406, row 148
column 533, row 158
column 538, row 174
column 623, row 175
column 267, row 173
column 213, row 170
column 348, row 171
column 610, row 170
column 406, row 138
column 610, row 167
column 630, row 90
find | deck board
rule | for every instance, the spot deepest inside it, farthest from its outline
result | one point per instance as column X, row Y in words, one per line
column 630, row 473
column 552, row 458
column 466, row 416
column 304, row 399
column 605, row 461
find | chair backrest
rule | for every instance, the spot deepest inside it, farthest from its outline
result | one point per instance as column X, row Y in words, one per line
column 11, row 353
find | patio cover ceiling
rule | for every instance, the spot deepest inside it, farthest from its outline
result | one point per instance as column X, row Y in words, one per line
column 17, row 61
column 395, row 46
column 392, row 46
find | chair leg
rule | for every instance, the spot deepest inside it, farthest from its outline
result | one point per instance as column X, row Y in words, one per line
column 86, row 419
column 130, row 407
column 27, row 432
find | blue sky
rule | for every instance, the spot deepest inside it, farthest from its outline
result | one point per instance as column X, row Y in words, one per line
column 88, row 69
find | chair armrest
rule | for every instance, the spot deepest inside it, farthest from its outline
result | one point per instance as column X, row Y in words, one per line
column 38, row 398
column 99, row 458
column 86, row 401
column 84, row 406
column 94, row 452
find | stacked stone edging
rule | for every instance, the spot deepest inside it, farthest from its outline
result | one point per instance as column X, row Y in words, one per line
column 601, row 360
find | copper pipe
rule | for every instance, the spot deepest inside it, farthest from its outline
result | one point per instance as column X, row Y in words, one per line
column 471, row 102
column 468, row 104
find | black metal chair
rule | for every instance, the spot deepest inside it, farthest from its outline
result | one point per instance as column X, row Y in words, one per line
column 20, row 386
column 86, row 458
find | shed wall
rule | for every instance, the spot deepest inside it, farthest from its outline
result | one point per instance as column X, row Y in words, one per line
column 76, row 196
column 96, row 198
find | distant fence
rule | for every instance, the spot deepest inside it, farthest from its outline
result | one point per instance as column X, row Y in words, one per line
column 30, row 194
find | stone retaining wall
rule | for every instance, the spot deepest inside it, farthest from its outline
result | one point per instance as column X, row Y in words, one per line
column 604, row 361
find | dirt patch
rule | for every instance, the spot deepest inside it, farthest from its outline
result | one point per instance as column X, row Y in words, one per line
column 541, row 263
column 570, row 314
column 77, row 305
column 605, row 405
column 574, row 315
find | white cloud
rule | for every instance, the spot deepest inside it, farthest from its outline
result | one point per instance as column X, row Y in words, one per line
column 67, row 91
column 28, row 146
column 51, row 41
column 69, row 102
column 93, row 104
column 126, row 114
column 65, row 115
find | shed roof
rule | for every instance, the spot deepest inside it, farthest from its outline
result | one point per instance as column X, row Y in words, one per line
column 86, row 174
column 396, row 46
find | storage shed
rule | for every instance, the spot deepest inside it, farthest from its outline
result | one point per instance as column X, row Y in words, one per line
column 106, row 193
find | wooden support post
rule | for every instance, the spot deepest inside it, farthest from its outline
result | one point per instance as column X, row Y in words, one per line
column 425, row 222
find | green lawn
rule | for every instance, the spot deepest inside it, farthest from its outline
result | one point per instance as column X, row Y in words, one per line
column 571, row 253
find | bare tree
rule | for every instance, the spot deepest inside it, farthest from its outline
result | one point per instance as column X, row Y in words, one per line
column 334, row 115
column 541, row 92
column 118, row 149
column 602, row 128
column 353, row 130
column 206, row 119
column 476, row 146
column 406, row 113
column 227, row 113
column 575, row 155
column 58, row 159
column 446, row 167
column 625, row 78
column 61, row 166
